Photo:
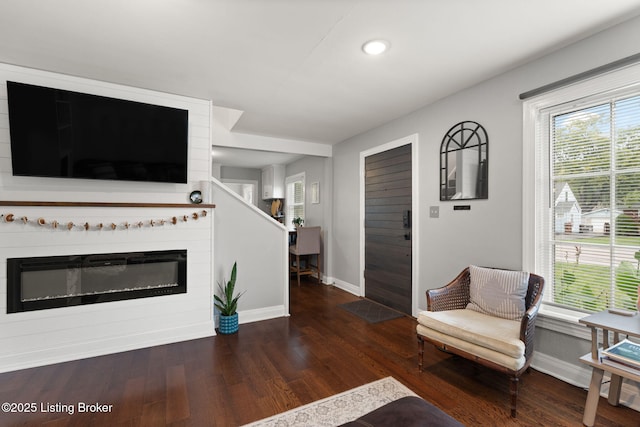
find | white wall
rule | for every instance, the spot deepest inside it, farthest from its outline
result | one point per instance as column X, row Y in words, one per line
column 246, row 235
column 491, row 232
column 48, row 336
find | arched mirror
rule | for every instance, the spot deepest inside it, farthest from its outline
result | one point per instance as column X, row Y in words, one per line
column 464, row 162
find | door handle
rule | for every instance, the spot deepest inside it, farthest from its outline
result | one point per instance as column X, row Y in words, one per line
column 406, row 219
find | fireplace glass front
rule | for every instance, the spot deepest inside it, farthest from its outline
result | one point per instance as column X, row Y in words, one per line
column 60, row 281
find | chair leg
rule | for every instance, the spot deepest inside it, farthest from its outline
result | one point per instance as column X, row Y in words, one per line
column 319, row 270
column 298, row 268
column 513, row 390
column 420, row 353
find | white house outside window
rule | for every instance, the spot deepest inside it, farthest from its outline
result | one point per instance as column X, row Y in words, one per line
column 584, row 235
column 294, row 199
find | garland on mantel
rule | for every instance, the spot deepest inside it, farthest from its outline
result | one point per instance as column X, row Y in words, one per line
column 70, row 225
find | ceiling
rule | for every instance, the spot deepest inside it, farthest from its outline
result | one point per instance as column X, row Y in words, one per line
column 295, row 67
column 254, row 159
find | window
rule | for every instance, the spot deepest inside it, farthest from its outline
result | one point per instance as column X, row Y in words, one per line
column 294, row 199
column 584, row 190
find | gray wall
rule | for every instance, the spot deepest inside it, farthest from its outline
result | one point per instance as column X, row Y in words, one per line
column 316, row 169
column 491, row 232
column 261, row 266
column 250, row 174
column 313, row 168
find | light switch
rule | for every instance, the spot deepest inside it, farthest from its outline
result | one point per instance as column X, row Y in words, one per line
column 434, row 211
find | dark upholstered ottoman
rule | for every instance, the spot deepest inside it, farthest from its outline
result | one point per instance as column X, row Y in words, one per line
column 408, row 411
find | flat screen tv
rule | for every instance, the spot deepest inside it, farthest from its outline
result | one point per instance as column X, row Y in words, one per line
column 65, row 134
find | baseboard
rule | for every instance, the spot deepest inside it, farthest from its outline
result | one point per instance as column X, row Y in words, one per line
column 102, row 347
column 576, row 375
column 328, row 280
column 119, row 344
column 249, row 316
column 580, row 376
column 348, row 287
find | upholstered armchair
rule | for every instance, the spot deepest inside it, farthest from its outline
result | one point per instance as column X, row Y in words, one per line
column 487, row 316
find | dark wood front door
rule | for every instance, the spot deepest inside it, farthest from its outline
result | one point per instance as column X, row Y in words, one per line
column 387, row 271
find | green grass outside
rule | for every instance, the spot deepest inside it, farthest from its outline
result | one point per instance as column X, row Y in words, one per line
column 589, row 287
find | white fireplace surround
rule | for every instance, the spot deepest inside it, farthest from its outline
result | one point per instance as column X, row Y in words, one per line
column 42, row 337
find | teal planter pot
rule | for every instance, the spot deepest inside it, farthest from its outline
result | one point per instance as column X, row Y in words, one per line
column 228, row 324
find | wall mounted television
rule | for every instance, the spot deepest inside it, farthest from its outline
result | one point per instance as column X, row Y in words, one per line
column 64, row 134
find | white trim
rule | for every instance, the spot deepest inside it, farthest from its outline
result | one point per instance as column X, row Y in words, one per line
column 238, row 181
column 563, row 320
column 580, row 376
column 256, row 209
column 328, row 280
column 212, row 243
column 415, row 226
column 528, row 188
column 347, row 287
column 574, row 374
column 415, row 213
column 264, row 313
column 278, row 145
column 300, row 176
column 286, row 275
column 110, row 345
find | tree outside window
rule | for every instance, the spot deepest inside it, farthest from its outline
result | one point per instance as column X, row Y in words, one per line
column 594, row 176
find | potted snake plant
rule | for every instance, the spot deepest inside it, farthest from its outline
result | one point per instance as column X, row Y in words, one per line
column 227, row 304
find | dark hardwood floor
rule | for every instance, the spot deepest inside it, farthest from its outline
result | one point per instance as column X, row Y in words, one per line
column 275, row 365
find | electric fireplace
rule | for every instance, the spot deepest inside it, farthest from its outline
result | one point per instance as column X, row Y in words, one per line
column 39, row 283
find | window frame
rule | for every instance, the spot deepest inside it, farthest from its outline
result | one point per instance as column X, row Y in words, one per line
column 536, row 178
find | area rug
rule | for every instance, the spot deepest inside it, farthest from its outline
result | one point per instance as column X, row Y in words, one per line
column 340, row 408
column 370, row 311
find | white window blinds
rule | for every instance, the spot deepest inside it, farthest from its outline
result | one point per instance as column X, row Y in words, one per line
column 295, row 199
column 591, row 244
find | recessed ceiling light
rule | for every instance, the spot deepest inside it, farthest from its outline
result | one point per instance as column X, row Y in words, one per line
column 375, row 47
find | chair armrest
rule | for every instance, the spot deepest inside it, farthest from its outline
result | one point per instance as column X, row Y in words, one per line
column 453, row 296
column 528, row 322
column 527, row 329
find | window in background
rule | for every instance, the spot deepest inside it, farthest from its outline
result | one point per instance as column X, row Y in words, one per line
column 245, row 189
column 587, row 209
column 294, row 199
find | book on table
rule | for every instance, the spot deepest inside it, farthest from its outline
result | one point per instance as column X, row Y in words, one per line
column 625, row 352
column 619, row 365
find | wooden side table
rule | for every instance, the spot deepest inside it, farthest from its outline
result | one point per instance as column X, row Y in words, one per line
column 618, row 324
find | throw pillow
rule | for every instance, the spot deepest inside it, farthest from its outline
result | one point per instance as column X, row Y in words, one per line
column 499, row 293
